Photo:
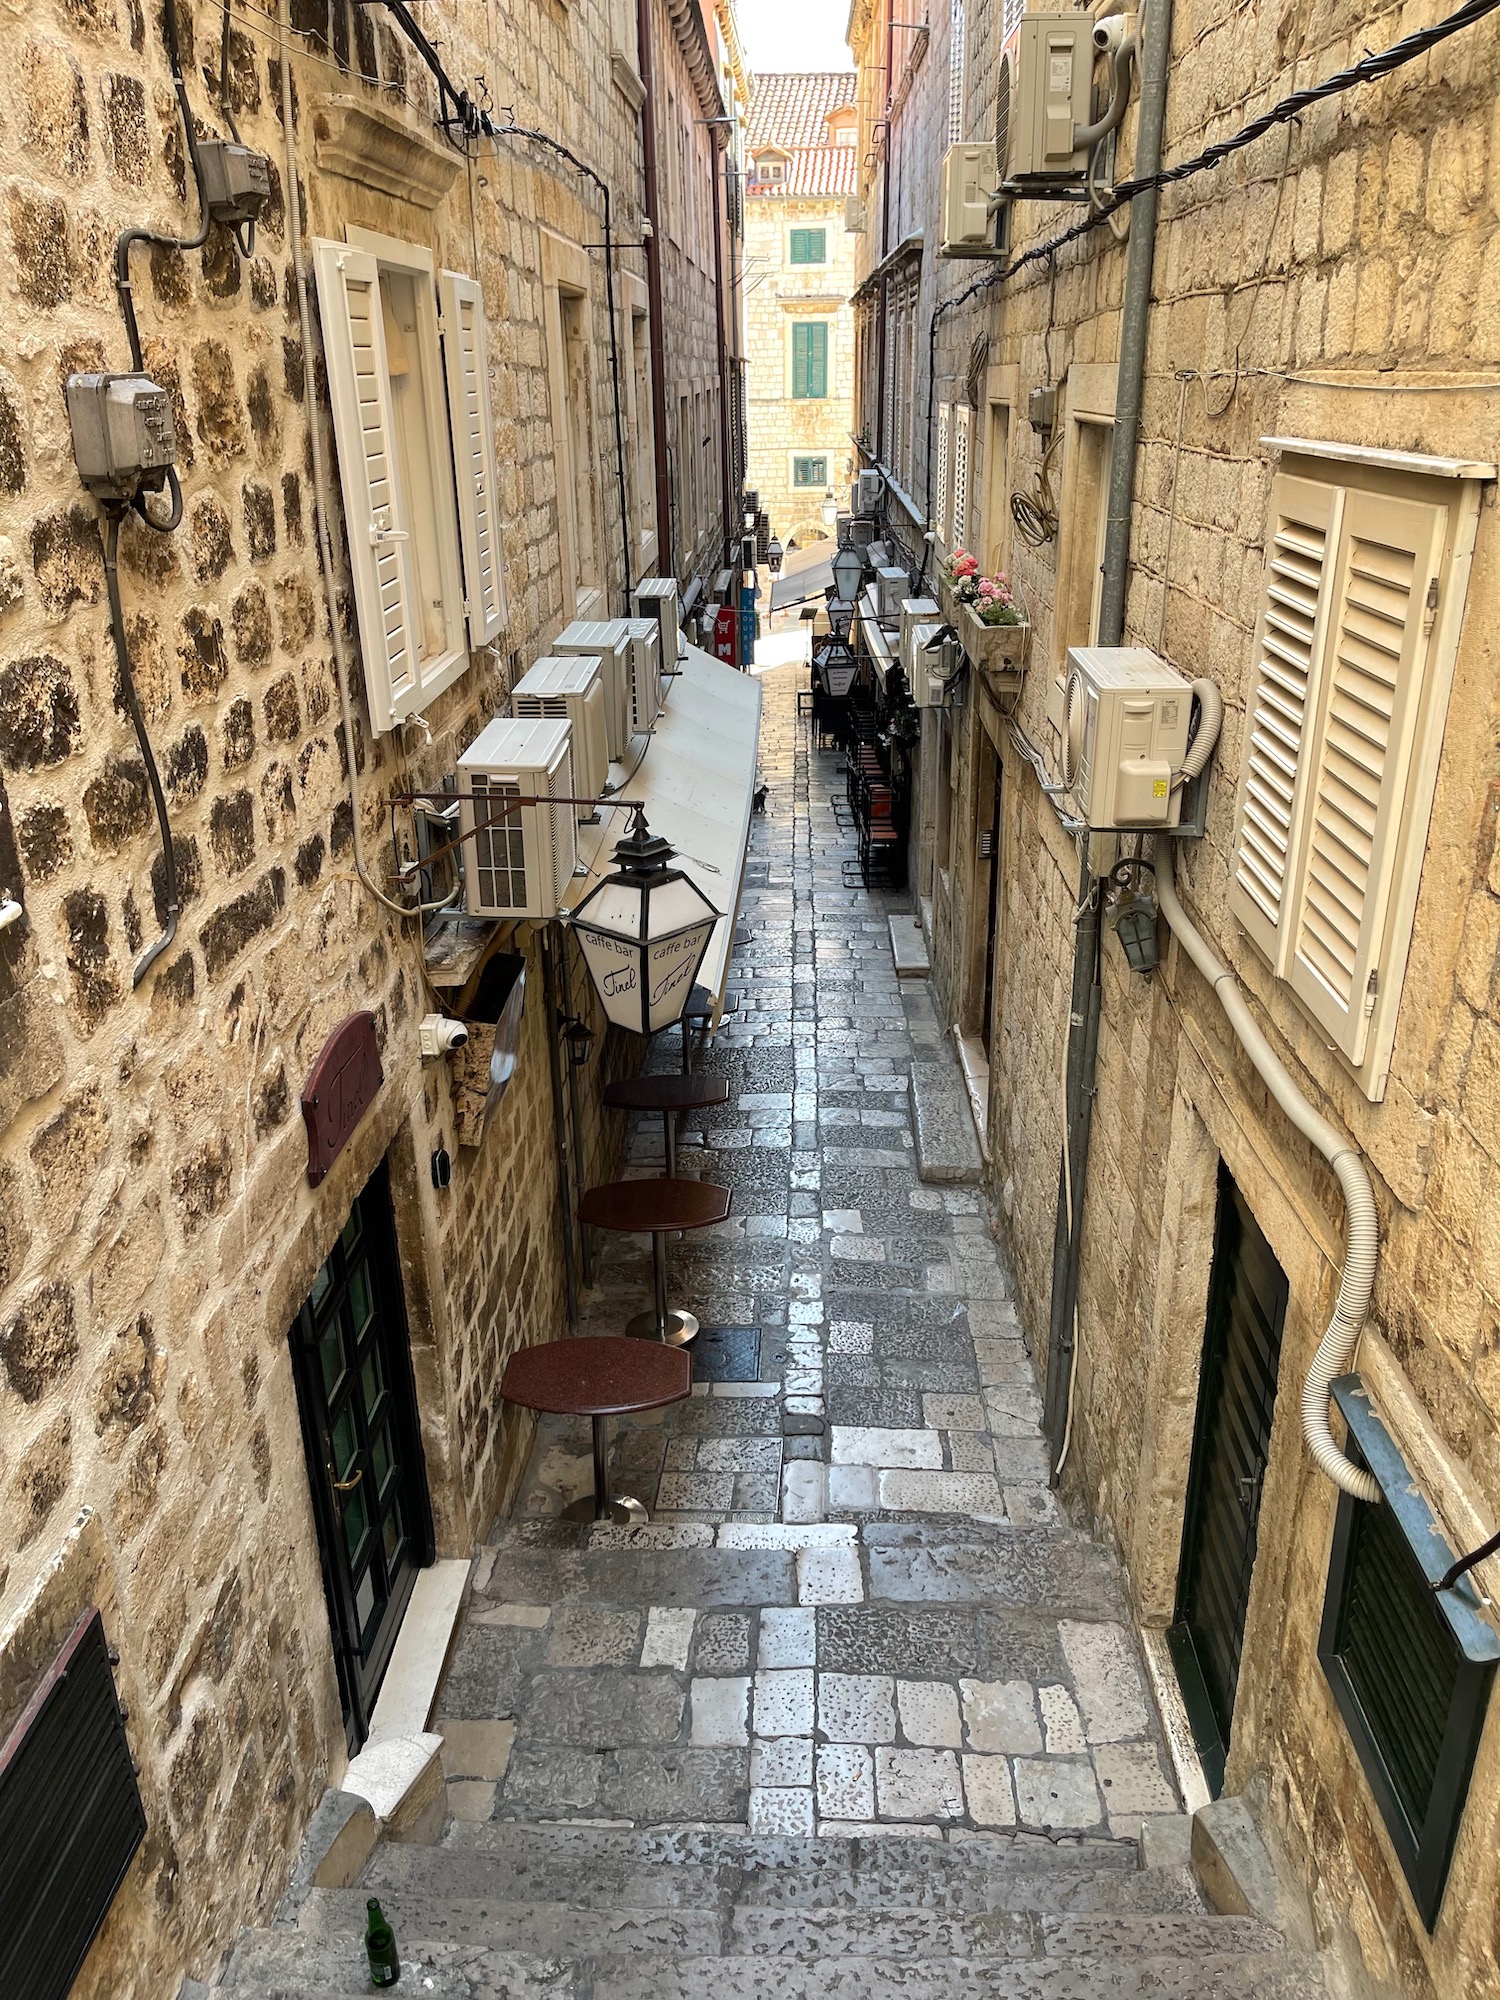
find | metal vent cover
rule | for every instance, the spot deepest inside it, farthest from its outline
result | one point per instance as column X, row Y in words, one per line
column 71, row 1818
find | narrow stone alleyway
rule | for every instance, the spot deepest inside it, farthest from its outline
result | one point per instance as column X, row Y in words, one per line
column 856, row 1611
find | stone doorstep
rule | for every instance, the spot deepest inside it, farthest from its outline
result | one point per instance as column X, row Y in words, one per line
column 909, row 948
column 974, row 1067
column 1177, row 1731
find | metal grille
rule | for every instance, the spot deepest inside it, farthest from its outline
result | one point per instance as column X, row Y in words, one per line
column 71, row 1819
column 500, row 850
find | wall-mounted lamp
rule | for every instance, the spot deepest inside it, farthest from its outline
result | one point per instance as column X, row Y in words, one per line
column 579, row 1037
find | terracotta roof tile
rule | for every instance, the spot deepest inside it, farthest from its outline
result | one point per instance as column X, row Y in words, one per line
column 791, row 111
column 821, row 170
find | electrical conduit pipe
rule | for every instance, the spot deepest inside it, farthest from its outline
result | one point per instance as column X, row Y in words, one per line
column 1361, row 1224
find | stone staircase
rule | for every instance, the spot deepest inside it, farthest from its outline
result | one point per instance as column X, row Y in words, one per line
column 507, row 1911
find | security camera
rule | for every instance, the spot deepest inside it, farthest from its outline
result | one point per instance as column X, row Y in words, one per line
column 440, row 1035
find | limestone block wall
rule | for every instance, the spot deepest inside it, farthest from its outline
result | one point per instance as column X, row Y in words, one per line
column 777, row 293
column 157, row 1232
column 1333, row 282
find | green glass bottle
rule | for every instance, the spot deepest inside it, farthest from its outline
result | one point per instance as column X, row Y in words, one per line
column 380, row 1947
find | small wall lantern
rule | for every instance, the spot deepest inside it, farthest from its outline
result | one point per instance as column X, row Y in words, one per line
column 643, row 932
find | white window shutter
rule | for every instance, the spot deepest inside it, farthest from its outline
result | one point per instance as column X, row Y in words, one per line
column 471, row 424
column 359, row 390
column 959, row 527
column 940, row 477
column 1380, row 615
column 1300, row 551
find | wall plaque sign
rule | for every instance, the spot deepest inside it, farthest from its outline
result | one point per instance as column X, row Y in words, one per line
column 340, row 1089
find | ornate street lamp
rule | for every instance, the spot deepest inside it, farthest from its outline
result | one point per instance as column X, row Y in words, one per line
column 643, row 932
column 830, row 511
column 848, row 571
column 773, row 555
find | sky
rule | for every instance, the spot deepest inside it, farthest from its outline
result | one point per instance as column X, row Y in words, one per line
column 794, row 34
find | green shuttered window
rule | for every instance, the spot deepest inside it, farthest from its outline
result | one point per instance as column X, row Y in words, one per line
column 809, row 358
column 809, row 472
column 809, row 246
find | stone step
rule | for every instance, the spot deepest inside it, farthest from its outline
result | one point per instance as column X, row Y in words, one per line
column 542, row 1872
column 558, row 1929
column 279, row 1965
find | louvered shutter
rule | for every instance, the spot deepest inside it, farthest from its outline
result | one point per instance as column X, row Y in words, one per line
column 360, row 393
column 471, row 424
column 1374, row 653
column 799, row 358
column 940, row 476
column 1288, row 643
column 957, row 35
column 960, row 523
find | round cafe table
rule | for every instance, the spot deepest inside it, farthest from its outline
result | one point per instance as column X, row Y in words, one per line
column 598, row 1379
column 655, row 1208
column 668, row 1095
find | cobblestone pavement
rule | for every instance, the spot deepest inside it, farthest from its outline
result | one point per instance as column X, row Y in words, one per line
column 856, row 1608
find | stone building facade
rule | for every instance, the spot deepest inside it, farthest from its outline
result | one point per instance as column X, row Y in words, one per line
column 799, row 273
column 158, row 1233
column 1322, row 308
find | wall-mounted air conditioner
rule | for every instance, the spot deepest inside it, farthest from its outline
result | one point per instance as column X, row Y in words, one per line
column 970, row 187
column 520, row 864
column 927, row 674
column 1045, row 91
column 606, row 640
column 570, row 689
column 865, row 498
column 916, row 611
column 645, row 669
column 854, row 215
column 862, row 535
column 657, row 598
column 1125, row 732
column 892, row 585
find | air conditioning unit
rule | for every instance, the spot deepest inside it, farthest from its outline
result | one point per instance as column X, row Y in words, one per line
column 606, row 640
column 1045, row 92
column 861, row 534
column 657, row 598
column 854, row 215
column 1125, row 731
column 521, row 864
column 892, row 587
column 865, row 499
column 645, row 670
column 570, row 690
column 927, row 674
column 969, row 191
column 916, row 611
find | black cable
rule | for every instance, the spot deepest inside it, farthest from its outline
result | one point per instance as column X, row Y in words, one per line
column 128, row 238
column 113, row 515
column 1369, row 70
column 245, row 242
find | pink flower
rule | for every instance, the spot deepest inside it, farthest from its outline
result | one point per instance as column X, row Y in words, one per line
column 965, row 565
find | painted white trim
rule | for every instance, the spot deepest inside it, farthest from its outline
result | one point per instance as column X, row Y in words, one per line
column 1390, row 461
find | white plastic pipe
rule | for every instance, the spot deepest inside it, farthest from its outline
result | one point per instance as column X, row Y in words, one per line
column 1361, row 1224
column 1210, row 721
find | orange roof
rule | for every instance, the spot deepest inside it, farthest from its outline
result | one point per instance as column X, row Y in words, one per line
column 819, row 170
column 791, row 112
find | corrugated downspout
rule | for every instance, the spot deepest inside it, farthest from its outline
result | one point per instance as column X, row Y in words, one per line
column 719, row 165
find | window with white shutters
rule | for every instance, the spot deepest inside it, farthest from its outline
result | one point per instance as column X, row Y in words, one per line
column 466, row 361
column 957, row 33
column 959, row 518
column 940, row 477
column 1343, row 727
column 377, row 300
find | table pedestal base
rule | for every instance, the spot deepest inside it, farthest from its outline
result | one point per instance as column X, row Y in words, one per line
column 681, row 1328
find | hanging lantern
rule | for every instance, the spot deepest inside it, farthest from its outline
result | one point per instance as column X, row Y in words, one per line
column 643, row 933
column 848, row 572
column 1134, row 919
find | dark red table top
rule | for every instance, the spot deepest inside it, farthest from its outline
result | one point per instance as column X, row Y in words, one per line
column 597, row 1377
column 667, row 1093
column 652, row 1205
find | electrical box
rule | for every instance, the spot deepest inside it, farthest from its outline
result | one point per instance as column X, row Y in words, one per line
column 236, row 180
column 657, row 598
column 124, row 436
column 892, row 585
column 645, row 670
column 608, row 641
column 865, row 497
column 1041, row 409
column 570, row 689
column 970, row 188
column 1045, row 91
column 520, row 864
column 1125, row 733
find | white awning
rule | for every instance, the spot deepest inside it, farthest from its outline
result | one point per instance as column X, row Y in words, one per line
column 696, row 781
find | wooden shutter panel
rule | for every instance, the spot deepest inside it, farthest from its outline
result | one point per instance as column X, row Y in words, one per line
column 961, row 416
column 1367, row 703
column 360, row 393
column 817, row 359
column 1288, row 643
column 940, row 476
column 471, row 424
column 799, row 358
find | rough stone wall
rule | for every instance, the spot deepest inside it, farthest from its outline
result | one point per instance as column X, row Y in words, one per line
column 157, row 1233
column 1361, row 244
column 779, row 425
